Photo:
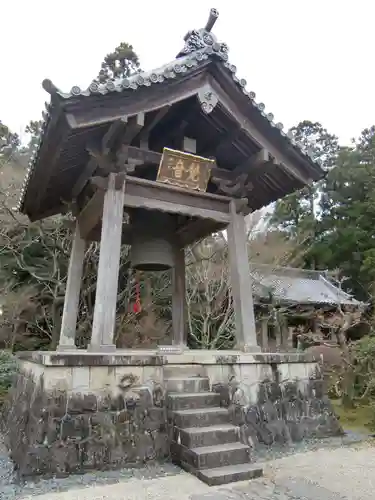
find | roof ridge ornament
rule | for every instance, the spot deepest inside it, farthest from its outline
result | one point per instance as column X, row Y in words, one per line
column 204, row 39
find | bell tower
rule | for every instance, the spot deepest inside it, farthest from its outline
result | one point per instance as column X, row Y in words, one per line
column 158, row 161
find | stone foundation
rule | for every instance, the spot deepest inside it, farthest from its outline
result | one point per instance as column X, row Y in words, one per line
column 70, row 412
column 290, row 405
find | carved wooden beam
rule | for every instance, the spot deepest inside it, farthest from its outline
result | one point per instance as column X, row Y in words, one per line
column 139, row 156
column 99, row 154
column 255, row 161
column 198, row 229
column 214, row 145
column 126, row 239
column 122, row 131
column 239, row 187
column 142, row 193
column 261, row 139
column 134, row 126
column 113, row 132
column 238, row 182
column 91, row 213
column 147, row 129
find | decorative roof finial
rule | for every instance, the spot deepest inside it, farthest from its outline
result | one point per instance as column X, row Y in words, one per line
column 204, row 39
column 212, row 18
column 49, row 87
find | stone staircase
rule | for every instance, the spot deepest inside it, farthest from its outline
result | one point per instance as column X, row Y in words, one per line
column 204, row 442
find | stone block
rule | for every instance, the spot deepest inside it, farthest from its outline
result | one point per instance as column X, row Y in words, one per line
column 58, row 378
column 56, row 403
column 217, row 374
column 201, row 417
column 152, row 373
column 60, row 432
column 81, row 403
column 194, row 384
column 186, row 401
column 225, row 475
column 213, row 456
column 65, row 458
column 80, row 379
column 102, row 379
column 298, row 371
column 225, row 393
column 207, row 436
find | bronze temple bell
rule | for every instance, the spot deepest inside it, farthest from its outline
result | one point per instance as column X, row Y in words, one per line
column 154, row 242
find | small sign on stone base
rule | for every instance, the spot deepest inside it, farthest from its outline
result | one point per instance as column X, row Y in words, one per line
column 172, row 349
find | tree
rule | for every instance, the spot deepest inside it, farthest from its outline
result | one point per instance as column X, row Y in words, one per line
column 34, row 256
column 296, row 213
column 9, row 141
column 344, row 237
column 34, row 129
column 210, row 312
column 121, row 63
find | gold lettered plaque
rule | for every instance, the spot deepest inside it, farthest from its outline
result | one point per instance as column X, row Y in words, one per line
column 184, row 170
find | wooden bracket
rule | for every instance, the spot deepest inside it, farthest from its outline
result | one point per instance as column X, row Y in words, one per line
column 144, row 135
column 120, row 132
column 238, row 187
column 238, row 182
column 91, row 213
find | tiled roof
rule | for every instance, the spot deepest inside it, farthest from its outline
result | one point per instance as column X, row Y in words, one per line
column 201, row 47
column 298, row 286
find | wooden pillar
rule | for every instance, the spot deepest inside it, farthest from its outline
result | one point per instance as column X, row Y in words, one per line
column 109, row 261
column 73, row 286
column 278, row 336
column 264, row 335
column 241, row 282
column 179, row 301
column 290, row 338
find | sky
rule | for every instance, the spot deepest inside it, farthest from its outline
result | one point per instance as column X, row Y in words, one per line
column 305, row 60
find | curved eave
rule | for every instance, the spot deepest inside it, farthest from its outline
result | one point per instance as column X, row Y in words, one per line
column 179, row 70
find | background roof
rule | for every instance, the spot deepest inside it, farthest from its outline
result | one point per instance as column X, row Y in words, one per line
column 298, row 286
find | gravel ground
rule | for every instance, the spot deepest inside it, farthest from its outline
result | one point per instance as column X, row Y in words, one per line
column 10, row 490
column 332, row 469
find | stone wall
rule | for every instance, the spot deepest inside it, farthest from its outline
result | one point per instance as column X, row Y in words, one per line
column 60, row 430
column 286, row 404
column 70, row 412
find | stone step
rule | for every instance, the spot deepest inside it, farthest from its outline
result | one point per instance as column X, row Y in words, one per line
column 210, row 457
column 226, row 474
column 191, row 400
column 195, row 437
column 185, row 371
column 187, row 384
column 200, row 417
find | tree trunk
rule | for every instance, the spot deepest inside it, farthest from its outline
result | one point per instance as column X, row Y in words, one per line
column 348, row 375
